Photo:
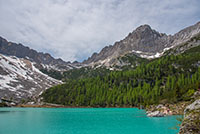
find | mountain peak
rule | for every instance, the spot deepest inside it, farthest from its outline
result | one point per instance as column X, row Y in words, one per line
column 143, row 28
column 145, row 33
column 145, row 41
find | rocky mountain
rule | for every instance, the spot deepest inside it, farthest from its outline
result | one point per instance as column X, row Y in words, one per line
column 20, row 66
column 181, row 48
column 20, row 79
column 44, row 60
column 143, row 42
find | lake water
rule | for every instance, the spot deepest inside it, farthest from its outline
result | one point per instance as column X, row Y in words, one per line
column 82, row 121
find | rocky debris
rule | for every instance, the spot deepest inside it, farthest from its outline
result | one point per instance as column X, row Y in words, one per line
column 191, row 121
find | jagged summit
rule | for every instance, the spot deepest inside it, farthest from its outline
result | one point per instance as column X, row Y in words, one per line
column 143, row 27
column 144, row 42
column 143, row 38
column 146, row 29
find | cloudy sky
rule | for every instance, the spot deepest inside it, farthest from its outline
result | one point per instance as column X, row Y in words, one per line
column 74, row 29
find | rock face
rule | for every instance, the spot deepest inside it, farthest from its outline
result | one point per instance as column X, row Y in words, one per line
column 193, row 106
column 20, row 79
column 45, row 59
column 144, row 42
column 191, row 121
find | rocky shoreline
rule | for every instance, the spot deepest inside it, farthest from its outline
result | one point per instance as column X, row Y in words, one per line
column 190, row 111
column 162, row 110
column 191, row 120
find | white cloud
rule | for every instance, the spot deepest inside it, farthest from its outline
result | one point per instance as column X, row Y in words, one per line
column 74, row 29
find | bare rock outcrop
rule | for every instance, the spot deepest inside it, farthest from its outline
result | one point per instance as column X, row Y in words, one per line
column 191, row 121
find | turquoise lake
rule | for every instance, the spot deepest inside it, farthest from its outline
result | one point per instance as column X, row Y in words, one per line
column 83, row 121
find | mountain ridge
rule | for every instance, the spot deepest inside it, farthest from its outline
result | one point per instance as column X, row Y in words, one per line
column 144, row 42
column 43, row 59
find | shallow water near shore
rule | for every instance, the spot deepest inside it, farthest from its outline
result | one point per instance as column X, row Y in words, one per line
column 83, row 121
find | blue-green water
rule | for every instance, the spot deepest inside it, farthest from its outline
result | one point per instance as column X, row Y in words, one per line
column 82, row 121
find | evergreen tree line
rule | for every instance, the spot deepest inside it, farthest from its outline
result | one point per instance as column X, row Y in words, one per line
column 168, row 79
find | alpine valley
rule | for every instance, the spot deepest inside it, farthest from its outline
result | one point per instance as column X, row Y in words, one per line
column 144, row 69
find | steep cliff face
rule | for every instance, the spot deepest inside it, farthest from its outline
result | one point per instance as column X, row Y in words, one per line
column 20, row 79
column 143, row 42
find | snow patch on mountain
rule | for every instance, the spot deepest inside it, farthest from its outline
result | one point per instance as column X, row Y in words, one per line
column 20, row 79
column 151, row 55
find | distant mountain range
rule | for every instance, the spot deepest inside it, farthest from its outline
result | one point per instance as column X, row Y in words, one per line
column 44, row 59
column 20, row 66
column 143, row 42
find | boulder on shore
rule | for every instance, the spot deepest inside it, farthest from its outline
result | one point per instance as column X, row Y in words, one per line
column 155, row 114
column 193, row 106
